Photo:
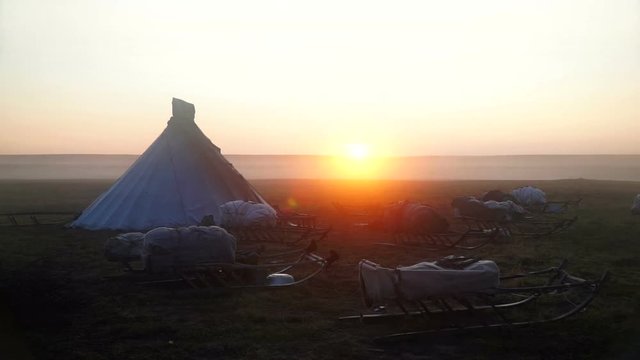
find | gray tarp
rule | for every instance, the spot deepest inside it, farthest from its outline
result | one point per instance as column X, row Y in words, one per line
column 426, row 279
column 167, row 247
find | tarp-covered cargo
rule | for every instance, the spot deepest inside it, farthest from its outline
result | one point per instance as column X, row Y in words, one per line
column 247, row 213
column 124, row 247
column 529, row 196
column 164, row 248
column 410, row 217
column 426, row 279
column 469, row 206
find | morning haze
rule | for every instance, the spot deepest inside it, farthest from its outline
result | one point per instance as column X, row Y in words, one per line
column 258, row 167
column 417, row 78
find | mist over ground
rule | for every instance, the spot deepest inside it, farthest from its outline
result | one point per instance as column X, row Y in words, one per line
column 516, row 167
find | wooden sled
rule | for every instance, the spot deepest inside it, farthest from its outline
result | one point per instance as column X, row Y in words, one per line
column 528, row 227
column 530, row 298
column 554, row 207
column 468, row 240
column 283, row 234
column 292, row 218
column 270, row 275
column 262, row 271
column 358, row 216
column 36, row 218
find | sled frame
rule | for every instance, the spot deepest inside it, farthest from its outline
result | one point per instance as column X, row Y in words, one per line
column 463, row 312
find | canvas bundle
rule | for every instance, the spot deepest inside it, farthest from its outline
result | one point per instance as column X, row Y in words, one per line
column 529, row 196
column 426, row 279
column 164, row 248
column 413, row 218
column 469, row 206
column 247, row 214
column 124, row 247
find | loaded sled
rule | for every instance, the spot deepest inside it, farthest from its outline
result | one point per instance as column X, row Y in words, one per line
column 207, row 257
column 270, row 272
column 359, row 216
column 414, row 225
column 258, row 222
column 468, row 240
column 283, row 233
column 457, row 294
column 508, row 217
column 533, row 200
column 555, row 206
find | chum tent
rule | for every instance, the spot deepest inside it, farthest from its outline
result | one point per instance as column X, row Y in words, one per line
column 178, row 180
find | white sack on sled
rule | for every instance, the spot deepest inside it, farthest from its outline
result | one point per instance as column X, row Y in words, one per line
column 510, row 209
column 406, row 216
column 124, row 247
column 167, row 247
column 240, row 213
column 426, row 279
column 635, row 208
column 529, row 195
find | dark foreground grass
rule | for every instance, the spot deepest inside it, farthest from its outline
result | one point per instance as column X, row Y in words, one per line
column 55, row 302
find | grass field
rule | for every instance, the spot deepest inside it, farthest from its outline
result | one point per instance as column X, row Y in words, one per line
column 56, row 304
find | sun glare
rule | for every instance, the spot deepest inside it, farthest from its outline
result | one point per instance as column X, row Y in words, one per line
column 358, row 162
column 358, row 151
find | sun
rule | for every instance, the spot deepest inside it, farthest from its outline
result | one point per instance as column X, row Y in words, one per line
column 358, row 161
column 357, row 151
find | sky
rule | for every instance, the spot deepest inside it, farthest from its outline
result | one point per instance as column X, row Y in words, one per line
column 314, row 77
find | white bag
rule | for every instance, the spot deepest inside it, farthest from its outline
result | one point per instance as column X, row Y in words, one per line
column 529, row 196
column 240, row 213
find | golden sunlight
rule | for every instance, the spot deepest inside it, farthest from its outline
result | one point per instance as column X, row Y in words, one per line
column 358, row 162
column 358, row 151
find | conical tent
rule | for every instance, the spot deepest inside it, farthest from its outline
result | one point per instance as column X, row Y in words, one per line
column 178, row 180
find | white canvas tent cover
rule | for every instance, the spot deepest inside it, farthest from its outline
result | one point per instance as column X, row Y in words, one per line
column 178, row 180
column 424, row 279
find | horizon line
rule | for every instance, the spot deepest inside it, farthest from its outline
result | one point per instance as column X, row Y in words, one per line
column 334, row 155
